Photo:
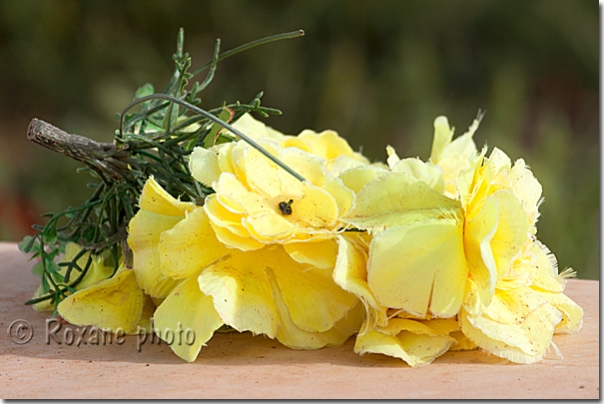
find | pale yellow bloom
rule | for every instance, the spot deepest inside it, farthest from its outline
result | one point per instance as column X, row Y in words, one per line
column 265, row 291
column 259, row 255
column 513, row 302
column 450, row 239
column 257, row 203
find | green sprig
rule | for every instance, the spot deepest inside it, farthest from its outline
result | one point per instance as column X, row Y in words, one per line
column 155, row 141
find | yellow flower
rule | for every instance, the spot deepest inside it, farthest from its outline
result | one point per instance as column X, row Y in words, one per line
column 448, row 237
column 257, row 203
column 265, row 291
column 259, row 255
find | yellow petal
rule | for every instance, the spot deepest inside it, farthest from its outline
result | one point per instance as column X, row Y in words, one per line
column 478, row 233
column 527, row 189
column 540, row 265
column 225, row 156
column 497, row 163
column 295, row 141
column 233, row 195
column 114, row 303
column 204, row 166
column 189, row 246
column 311, row 167
column 96, row 272
column 292, row 336
column 396, row 199
column 427, row 173
column 267, row 179
column 319, row 254
column 343, row 196
column 409, row 340
column 187, row 318
column 393, row 158
column 350, row 274
column 452, row 156
column 233, row 240
column 512, row 231
column 572, row 313
column 317, row 208
column 450, row 327
column 329, row 145
column 315, row 302
column 443, row 326
column 420, row 268
column 442, row 137
column 144, row 232
column 241, row 292
column 268, row 226
column 255, row 129
column 464, row 183
column 145, row 323
column 462, row 343
column 238, row 162
column 356, row 178
column 518, row 325
column 343, row 163
column 157, row 200
column 221, row 216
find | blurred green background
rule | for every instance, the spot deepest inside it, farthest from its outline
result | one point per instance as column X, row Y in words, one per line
column 377, row 72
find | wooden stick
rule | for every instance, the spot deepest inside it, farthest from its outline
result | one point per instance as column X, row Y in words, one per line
column 101, row 157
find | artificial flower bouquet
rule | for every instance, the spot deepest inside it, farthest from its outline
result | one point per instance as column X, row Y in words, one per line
column 216, row 221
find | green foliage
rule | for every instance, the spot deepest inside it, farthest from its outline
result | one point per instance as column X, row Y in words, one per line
column 154, row 141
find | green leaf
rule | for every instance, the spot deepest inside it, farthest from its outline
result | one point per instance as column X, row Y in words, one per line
column 208, row 141
column 38, row 269
column 88, row 234
column 58, row 277
column 144, row 90
column 49, row 236
column 29, row 244
column 70, row 289
column 210, row 74
column 52, row 267
column 170, row 118
column 44, row 285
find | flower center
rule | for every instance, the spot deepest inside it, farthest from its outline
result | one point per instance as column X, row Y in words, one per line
column 286, row 207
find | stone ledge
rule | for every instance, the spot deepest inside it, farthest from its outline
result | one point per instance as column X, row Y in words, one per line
column 241, row 366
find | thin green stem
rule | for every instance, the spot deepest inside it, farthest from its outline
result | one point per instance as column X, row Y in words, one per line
column 214, row 119
column 250, row 45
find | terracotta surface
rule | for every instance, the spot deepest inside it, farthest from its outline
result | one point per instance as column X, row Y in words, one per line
column 241, row 366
